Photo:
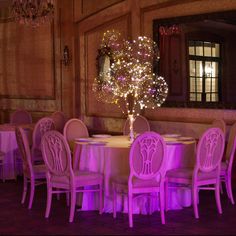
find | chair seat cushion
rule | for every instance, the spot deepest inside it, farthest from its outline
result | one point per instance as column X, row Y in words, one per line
column 175, row 175
column 180, row 173
column 39, row 168
column 39, row 171
column 82, row 178
column 123, row 180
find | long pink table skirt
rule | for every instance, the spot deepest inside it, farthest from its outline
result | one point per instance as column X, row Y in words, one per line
column 114, row 161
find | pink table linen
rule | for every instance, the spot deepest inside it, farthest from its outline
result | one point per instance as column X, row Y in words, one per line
column 8, row 145
column 112, row 158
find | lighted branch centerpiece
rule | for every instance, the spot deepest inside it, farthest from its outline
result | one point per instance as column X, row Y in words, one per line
column 129, row 80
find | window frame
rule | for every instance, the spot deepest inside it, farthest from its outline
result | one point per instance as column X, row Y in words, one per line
column 204, row 59
column 225, row 94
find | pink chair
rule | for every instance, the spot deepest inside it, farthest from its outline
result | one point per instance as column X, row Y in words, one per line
column 141, row 125
column 20, row 117
column 206, row 171
column 147, row 172
column 33, row 174
column 75, row 128
column 60, row 175
column 59, row 120
column 219, row 123
column 226, row 166
column 42, row 126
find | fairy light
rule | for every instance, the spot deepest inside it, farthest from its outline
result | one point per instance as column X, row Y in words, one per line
column 130, row 83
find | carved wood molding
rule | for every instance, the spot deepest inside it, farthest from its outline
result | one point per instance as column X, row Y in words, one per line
column 190, row 115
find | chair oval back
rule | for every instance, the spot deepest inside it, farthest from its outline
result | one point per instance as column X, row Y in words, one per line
column 23, row 145
column 20, row 117
column 56, row 153
column 75, row 128
column 141, row 125
column 219, row 123
column 210, row 149
column 44, row 125
column 147, row 155
column 231, row 146
column 59, row 120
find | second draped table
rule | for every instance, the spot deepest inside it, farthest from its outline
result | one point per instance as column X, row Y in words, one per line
column 110, row 156
column 8, row 145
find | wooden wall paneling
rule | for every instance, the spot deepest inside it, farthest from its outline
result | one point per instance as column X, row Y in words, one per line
column 83, row 27
column 67, row 38
column 85, row 8
column 29, row 68
column 190, row 115
column 229, row 63
column 27, row 64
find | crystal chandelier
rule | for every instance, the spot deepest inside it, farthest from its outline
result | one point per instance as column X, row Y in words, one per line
column 32, row 12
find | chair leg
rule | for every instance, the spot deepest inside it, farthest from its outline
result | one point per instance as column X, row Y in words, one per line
column 114, row 201
column 221, row 188
column 166, row 195
column 15, row 165
column 195, row 201
column 162, row 206
column 24, row 190
column 130, row 202
column 68, row 199
column 58, row 195
column 72, row 205
column 149, row 199
column 229, row 189
column 32, row 189
column 101, row 198
column 217, row 197
column 198, row 200
column 49, row 201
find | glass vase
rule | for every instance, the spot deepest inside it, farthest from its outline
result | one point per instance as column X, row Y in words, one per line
column 131, row 127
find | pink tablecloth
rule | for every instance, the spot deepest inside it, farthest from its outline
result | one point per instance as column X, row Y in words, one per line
column 8, row 145
column 112, row 159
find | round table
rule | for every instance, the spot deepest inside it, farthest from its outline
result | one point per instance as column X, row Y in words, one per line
column 110, row 156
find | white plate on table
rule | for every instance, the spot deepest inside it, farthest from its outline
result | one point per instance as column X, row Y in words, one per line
column 171, row 135
column 101, row 135
column 83, row 140
column 98, row 143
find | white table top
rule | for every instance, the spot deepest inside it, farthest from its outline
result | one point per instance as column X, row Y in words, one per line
column 124, row 142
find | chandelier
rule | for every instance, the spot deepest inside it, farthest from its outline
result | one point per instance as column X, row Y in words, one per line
column 32, row 12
